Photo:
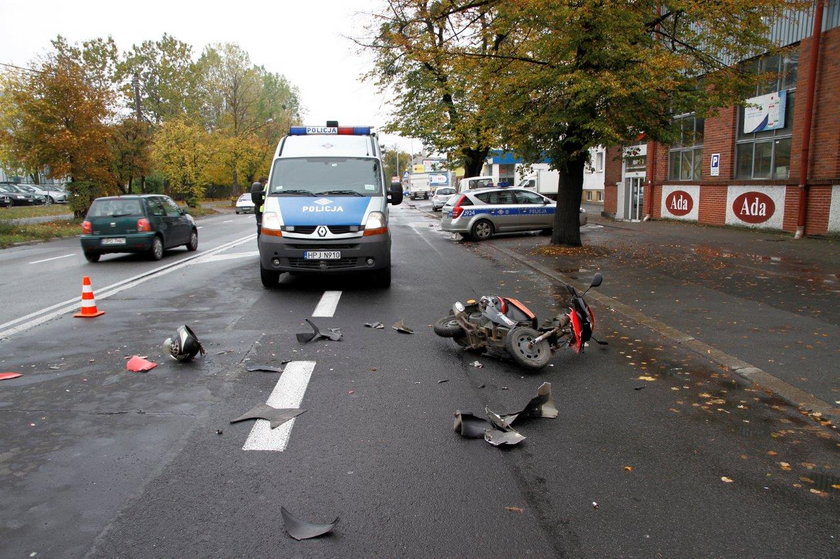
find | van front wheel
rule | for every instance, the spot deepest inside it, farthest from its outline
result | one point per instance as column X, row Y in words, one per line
column 269, row 278
column 382, row 278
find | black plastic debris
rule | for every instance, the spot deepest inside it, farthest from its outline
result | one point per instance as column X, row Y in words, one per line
column 184, row 346
column 400, row 327
column 333, row 334
column 501, row 433
column 541, row 405
column 302, row 530
column 276, row 416
column 263, row 369
column 498, row 437
column 497, row 429
column 469, row 426
column 377, row 325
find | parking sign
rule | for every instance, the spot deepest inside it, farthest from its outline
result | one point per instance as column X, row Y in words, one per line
column 715, row 168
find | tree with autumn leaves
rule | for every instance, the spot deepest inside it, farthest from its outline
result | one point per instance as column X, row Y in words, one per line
column 107, row 121
column 553, row 78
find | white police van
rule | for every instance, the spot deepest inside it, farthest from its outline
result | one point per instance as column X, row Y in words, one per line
column 326, row 205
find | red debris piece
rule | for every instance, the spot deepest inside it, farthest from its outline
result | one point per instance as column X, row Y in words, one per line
column 139, row 365
column 7, row 376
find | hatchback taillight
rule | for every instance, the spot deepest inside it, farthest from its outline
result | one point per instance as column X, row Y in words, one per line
column 457, row 210
column 87, row 227
column 143, row 224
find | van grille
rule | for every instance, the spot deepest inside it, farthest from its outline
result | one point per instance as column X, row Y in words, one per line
column 302, row 264
column 331, row 246
column 334, row 229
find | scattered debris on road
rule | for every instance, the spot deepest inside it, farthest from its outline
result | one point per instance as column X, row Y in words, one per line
column 302, row 530
column 184, row 346
column 137, row 364
column 333, row 334
column 275, row 416
column 376, row 325
column 400, row 327
column 264, row 368
column 497, row 429
column 477, row 364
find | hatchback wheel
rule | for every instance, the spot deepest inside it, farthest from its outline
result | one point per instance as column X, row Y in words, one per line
column 192, row 246
column 92, row 256
column 156, row 252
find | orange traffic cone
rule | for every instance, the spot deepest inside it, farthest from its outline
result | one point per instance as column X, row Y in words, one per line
column 88, row 302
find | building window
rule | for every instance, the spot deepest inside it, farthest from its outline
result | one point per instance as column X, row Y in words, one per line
column 766, row 154
column 685, row 157
column 599, row 162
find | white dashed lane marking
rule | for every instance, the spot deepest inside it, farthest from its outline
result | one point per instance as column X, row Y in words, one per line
column 327, row 305
column 288, row 393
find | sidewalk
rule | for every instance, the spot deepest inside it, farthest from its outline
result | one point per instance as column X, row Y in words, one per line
column 759, row 303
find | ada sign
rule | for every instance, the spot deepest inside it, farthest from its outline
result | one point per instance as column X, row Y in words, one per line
column 715, row 170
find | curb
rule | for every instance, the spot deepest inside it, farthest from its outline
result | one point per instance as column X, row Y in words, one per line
column 805, row 401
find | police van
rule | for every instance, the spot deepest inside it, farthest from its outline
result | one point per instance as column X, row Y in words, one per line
column 325, row 207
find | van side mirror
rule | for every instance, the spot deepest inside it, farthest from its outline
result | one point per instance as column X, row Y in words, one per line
column 395, row 194
column 257, row 194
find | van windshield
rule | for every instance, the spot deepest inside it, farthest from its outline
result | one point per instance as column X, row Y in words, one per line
column 326, row 176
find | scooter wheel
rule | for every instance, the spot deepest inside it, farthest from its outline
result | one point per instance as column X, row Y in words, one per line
column 519, row 343
column 448, row 327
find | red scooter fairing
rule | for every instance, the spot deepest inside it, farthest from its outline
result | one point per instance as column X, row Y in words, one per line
column 577, row 329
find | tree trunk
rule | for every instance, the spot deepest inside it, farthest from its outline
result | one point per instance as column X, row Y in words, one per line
column 473, row 161
column 569, row 193
column 234, row 188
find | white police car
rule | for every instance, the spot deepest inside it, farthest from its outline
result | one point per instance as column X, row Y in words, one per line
column 482, row 212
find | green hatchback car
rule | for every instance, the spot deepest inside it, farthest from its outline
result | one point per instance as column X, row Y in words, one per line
column 143, row 223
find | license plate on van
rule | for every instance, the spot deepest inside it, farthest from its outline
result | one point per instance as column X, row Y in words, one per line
column 322, row 255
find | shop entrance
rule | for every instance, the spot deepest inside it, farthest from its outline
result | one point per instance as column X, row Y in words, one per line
column 634, row 198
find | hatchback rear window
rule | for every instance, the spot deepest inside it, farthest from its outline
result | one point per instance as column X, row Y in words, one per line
column 115, row 208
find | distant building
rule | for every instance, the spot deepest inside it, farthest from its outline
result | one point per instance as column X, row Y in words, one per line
column 749, row 166
column 504, row 166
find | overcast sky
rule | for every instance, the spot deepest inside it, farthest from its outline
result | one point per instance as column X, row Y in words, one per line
column 304, row 40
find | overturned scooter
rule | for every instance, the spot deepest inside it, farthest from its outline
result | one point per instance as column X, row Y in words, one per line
column 502, row 326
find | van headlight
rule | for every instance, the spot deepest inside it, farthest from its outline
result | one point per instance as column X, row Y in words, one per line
column 271, row 224
column 375, row 224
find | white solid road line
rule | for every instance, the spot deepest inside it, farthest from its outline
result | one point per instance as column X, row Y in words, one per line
column 327, row 305
column 287, row 393
column 43, row 315
column 53, row 258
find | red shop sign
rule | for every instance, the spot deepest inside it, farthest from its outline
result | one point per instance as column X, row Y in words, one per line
column 753, row 207
column 679, row 203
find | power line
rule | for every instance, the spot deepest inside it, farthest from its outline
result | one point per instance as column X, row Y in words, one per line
column 21, row 68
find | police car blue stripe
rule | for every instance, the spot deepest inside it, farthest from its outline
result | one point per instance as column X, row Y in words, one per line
column 546, row 210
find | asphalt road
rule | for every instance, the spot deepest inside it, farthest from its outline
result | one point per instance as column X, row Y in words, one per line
column 96, row 461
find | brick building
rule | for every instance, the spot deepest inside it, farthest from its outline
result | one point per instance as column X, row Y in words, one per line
column 747, row 166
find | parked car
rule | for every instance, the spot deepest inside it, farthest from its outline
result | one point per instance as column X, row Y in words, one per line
column 21, row 197
column 479, row 214
column 143, row 223
column 5, row 201
column 244, row 204
column 50, row 196
column 441, row 195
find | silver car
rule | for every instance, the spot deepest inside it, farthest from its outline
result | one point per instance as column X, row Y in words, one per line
column 481, row 213
column 442, row 194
